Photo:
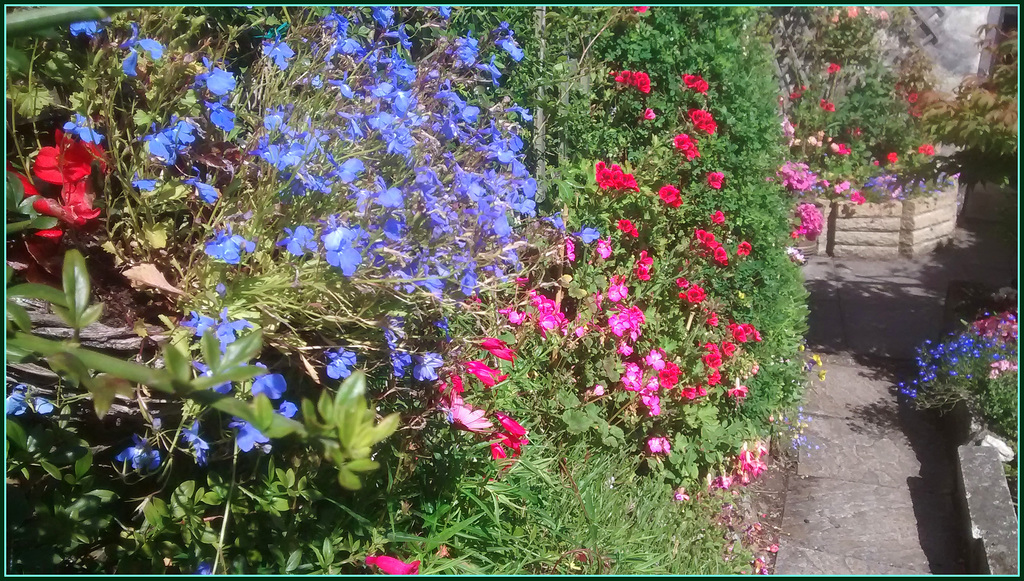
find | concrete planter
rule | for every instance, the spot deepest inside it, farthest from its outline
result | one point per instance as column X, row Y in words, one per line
column 889, row 230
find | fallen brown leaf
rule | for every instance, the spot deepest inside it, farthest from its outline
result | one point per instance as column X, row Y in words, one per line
column 147, row 275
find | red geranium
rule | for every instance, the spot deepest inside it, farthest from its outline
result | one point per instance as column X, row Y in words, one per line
column 728, row 348
column 695, row 294
column 668, row 377
column 926, row 149
column 614, row 178
column 892, row 157
column 703, row 120
column 687, row 145
column 828, row 106
column 627, row 227
column 718, row 217
column 833, row 68
column 649, row 114
column 912, row 98
column 670, row 195
column 715, row 179
column 744, row 249
column 643, row 266
column 721, row 256
column 68, row 164
column 640, row 9
column 696, row 82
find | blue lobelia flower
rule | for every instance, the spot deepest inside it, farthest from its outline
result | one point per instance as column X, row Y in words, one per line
column 426, row 366
column 272, row 385
column 15, row 404
column 340, row 252
column 248, row 436
column 208, row 193
column 384, row 15
column 204, row 569
column 445, row 11
column 350, row 169
column 144, row 185
column 199, row 446
column 228, row 247
column 227, row 331
column 287, row 409
column 339, row 363
column 467, row 50
column 89, row 28
column 389, row 197
column 42, row 406
column 399, row 361
column 468, row 282
column 154, row 48
column 81, row 127
column 221, row 116
column 524, row 113
column 199, row 322
column 299, row 241
column 279, row 52
column 588, row 235
column 508, row 43
column 141, row 455
column 218, row 81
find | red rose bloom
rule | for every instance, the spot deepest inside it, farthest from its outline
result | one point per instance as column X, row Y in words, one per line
column 744, row 249
column 892, row 157
column 687, row 146
column 715, row 179
column 703, row 121
column 670, row 195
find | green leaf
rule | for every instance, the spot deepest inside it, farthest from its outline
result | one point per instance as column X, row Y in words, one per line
column 576, row 421
column 263, row 412
column 241, row 350
column 50, row 469
column 76, row 285
column 15, row 189
column 83, row 464
column 351, row 389
column 104, row 388
column 17, row 435
column 348, row 480
column 209, row 347
column 38, row 291
column 19, row 315
column 293, row 561
column 29, row 101
column 177, row 363
column 362, row 465
column 156, row 236
column 69, row 367
column 92, row 314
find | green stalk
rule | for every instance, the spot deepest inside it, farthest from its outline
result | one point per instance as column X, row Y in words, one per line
column 24, row 22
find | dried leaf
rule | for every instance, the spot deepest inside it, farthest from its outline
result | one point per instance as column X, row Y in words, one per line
column 147, row 275
column 310, row 370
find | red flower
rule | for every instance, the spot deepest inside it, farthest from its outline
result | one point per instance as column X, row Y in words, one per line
column 744, row 249
column 643, row 266
column 687, row 145
column 721, row 256
column 739, row 333
column 511, row 426
column 713, row 319
column 670, row 195
column 649, row 114
column 488, row 376
column 718, row 217
column 715, row 179
column 857, row 198
column 926, row 149
column 912, row 98
column 714, row 378
column 497, row 450
column 627, row 227
column 703, row 120
column 642, row 82
column 498, row 348
column 668, row 377
column 833, row 68
column 892, row 157
column 828, row 106
column 68, row 164
column 843, row 149
column 682, row 282
column 640, row 9
column 696, row 82
column 713, row 360
column 614, row 178
column 695, row 294
column 728, row 348
column 393, row 566
column 795, row 95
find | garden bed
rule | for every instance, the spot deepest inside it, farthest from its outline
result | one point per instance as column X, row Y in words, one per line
column 887, row 230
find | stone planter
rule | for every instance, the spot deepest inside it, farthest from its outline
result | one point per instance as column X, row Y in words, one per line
column 890, row 230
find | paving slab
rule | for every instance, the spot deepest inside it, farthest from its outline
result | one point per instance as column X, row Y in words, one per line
column 865, row 521
column 845, row 390
column 801, row 561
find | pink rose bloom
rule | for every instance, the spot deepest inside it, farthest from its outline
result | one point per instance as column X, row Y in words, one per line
column 659, row 446
column 604, row 247
column 655, row 359
column 617, row 290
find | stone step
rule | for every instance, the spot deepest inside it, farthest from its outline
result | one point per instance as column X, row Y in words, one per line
column 794, row 560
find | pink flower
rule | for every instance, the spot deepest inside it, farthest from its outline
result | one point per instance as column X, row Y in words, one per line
column 715, row 179
column 570, row 249
column 738, row 392
column 624, row 349
column 464, row 417
column 598, row 389
column 655, row 359
column 842, row 187
column 643, row 266
column 487, row 375
column 633, row 377
column 514, row 316
column 857, row 198
column 604, row 247
column 649, row 114
column 617, row 290
column 653, row 403
column 498, row 348
column 718, row 217
column 680, row 495
column 640, row 9
column 511, row 426
column 393, row 566
column 659, row 446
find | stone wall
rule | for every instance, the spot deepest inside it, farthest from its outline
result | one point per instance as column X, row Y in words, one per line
column 886, row 230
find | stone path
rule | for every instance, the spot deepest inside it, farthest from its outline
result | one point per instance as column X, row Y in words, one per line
column 876, row 495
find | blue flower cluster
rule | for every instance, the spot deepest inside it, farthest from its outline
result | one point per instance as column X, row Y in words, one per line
column 17, row 402
column 228, row 247
column 131, row 63
column 82, row 127
column 165, row 145
column 957, row 357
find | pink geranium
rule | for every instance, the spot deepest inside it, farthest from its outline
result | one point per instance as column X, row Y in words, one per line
column 659, row 446
column 393, row 566
column 617, row 290
column 604, row 247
